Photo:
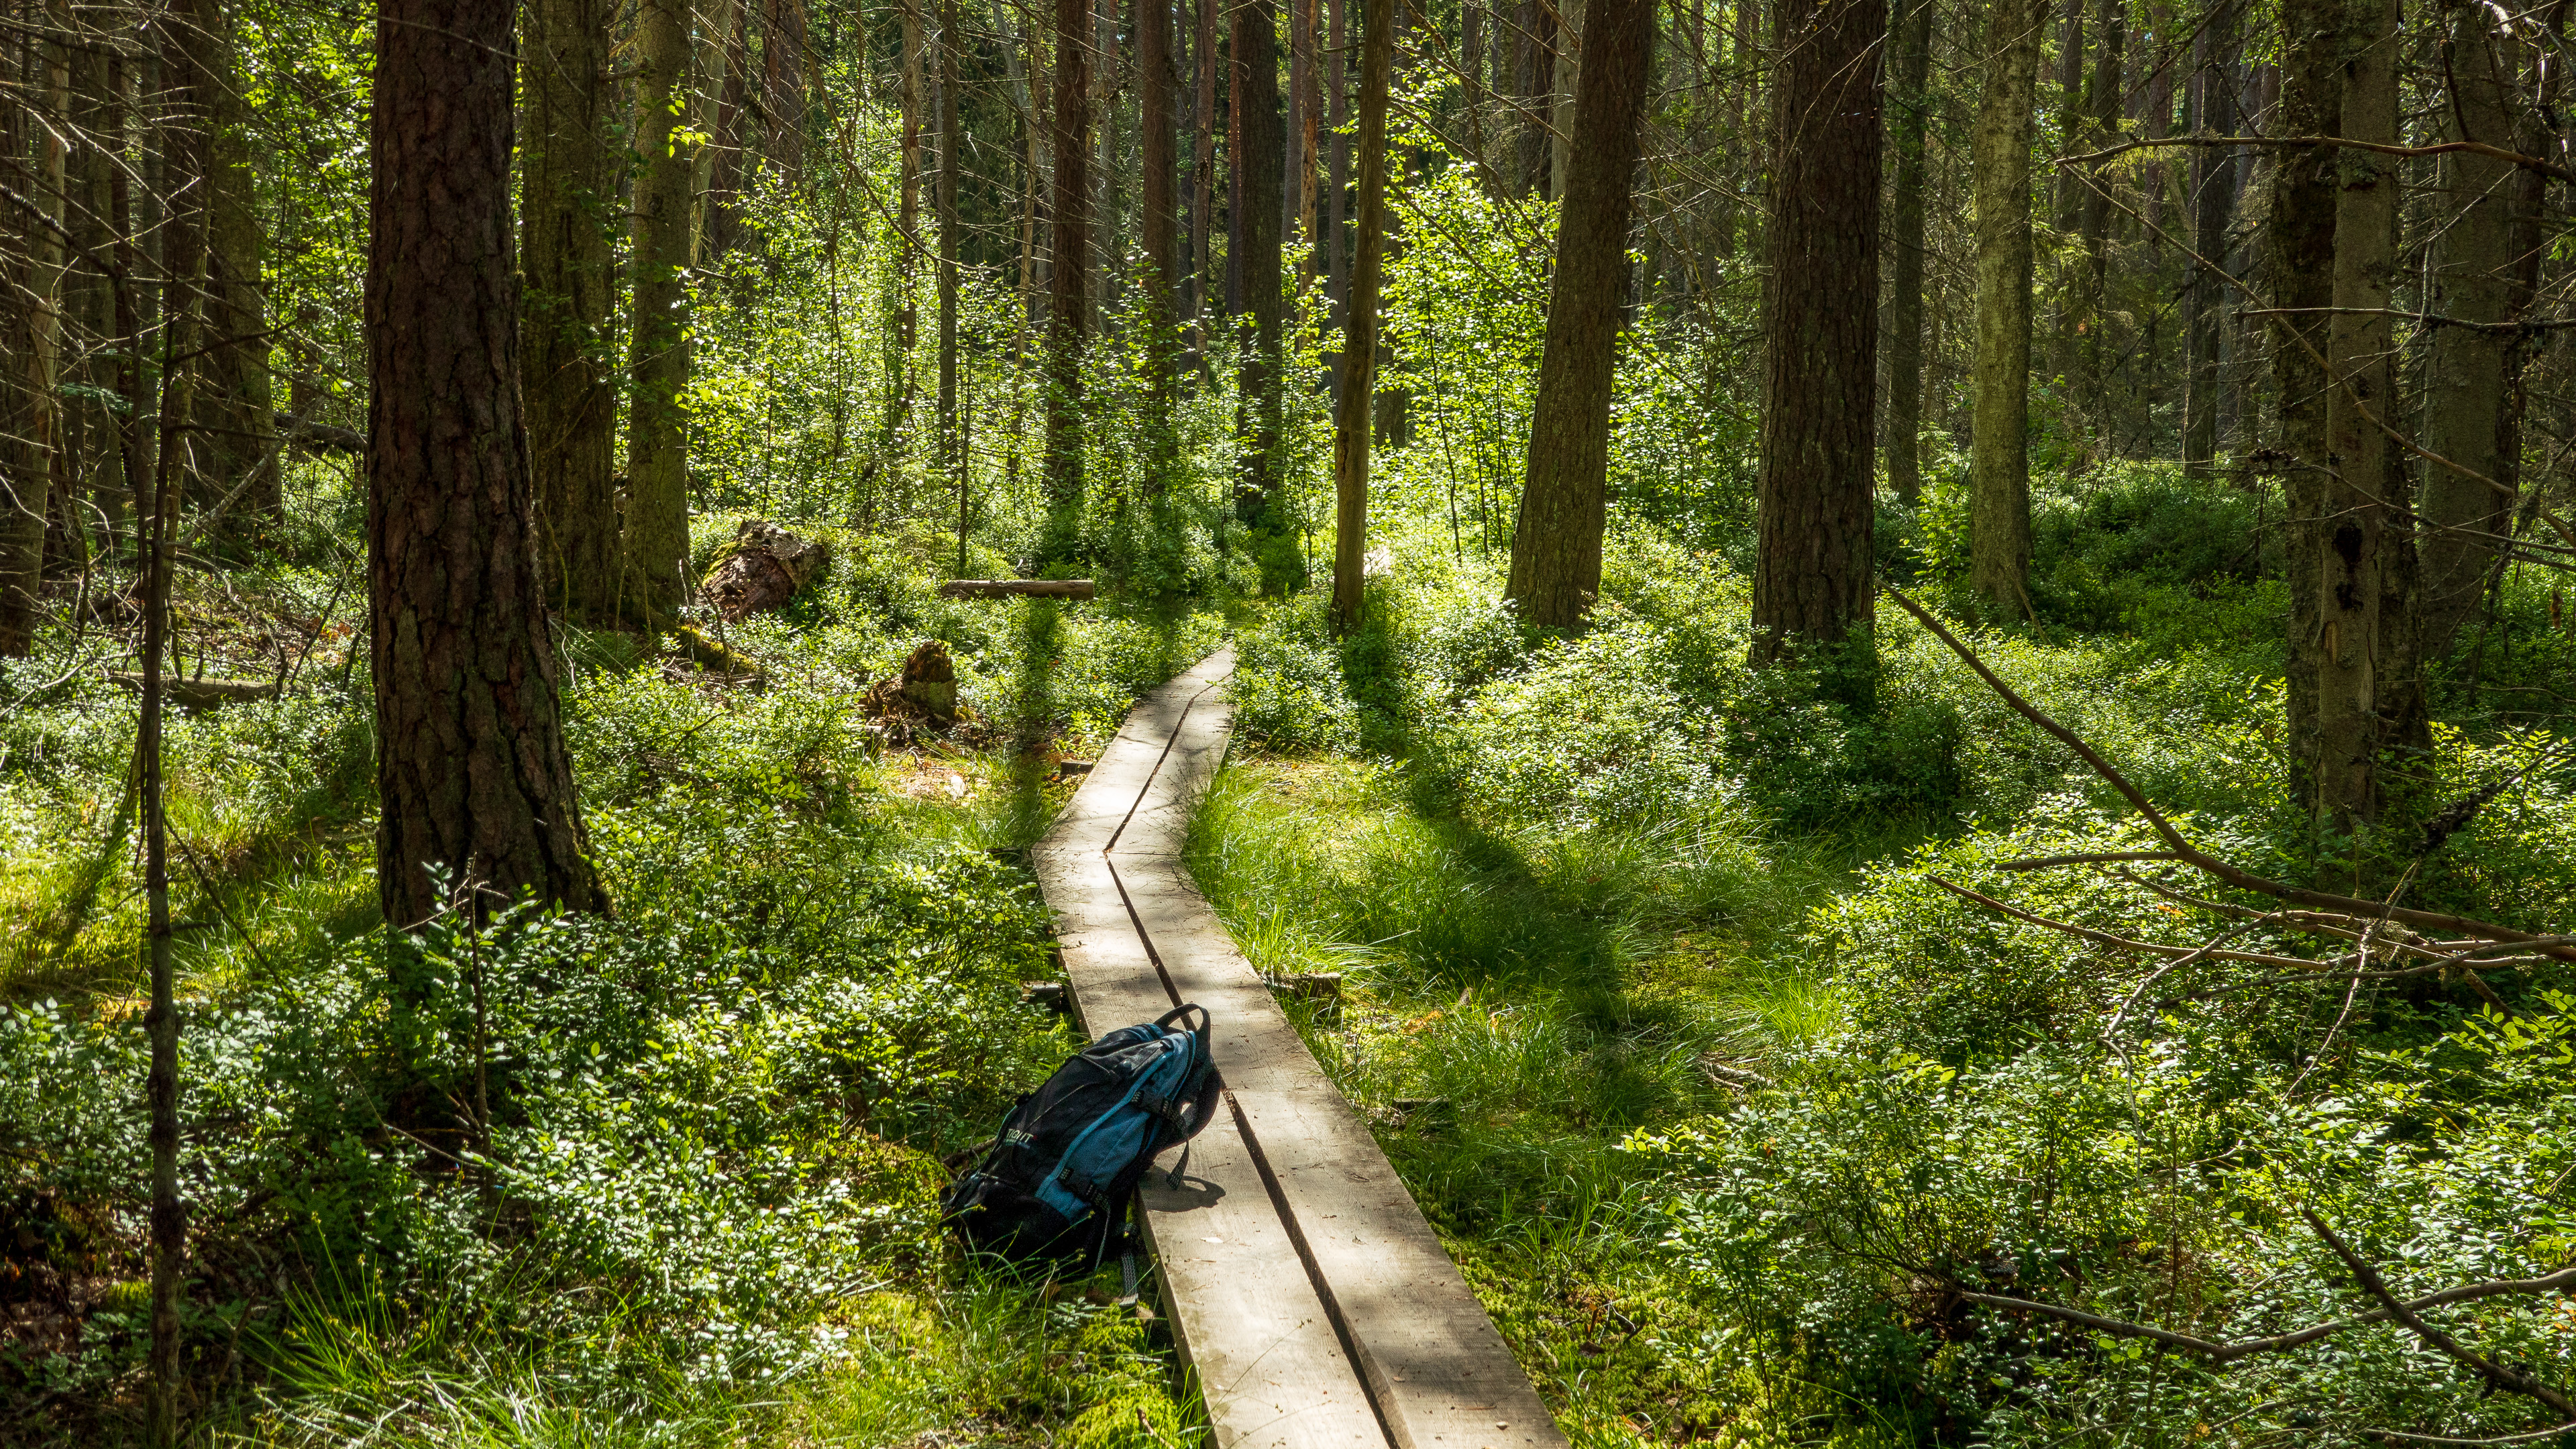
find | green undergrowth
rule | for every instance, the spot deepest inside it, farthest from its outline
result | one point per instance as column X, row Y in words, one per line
column 1724, row 1100
column 664, row 1178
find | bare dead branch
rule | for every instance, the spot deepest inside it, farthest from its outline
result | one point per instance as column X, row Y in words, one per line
column 2184, row 850
column 2511, row 1380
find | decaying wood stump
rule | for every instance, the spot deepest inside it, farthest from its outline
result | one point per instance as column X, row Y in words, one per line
column 922, row 700
column 762, row 568
column 930, row 682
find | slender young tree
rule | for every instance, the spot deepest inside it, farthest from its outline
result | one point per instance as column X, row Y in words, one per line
column 186, row 158
column 709, row 66
column 1067, row 290
column 1556, row 550
column 471, row 768
column 1999, row 463
column 1351, row 420
column 655, row 544
column 952, row 156
column 1203, row 179
column 1256, row 144
column 1812, row 549
column 2469, row 417
column 236, row 407
column 1910, row 104
column 568, row 209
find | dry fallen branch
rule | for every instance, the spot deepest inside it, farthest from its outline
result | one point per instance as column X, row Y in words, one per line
column 2190, row 854
column 2511, row 1380
column 2227, row 1353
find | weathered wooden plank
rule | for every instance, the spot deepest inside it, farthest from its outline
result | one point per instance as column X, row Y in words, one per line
column 1440, row 1374
column 1127, row 766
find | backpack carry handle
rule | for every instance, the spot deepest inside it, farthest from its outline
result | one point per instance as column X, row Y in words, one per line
column 1181, row 1014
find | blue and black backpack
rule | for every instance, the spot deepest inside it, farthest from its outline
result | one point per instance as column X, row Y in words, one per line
column 1055, row 1183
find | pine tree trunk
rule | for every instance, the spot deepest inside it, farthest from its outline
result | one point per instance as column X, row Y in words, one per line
column 2093, row 212
column 1561, row 97
column 1337, row 181
column 709, row 68
column 1556, row 551
column 2302, row 288
column 1910, row 104
column 1257, row 145
column 470, row 761
column 1067, row 289
column 33, row 461
column 2468, row 413
column 1158, row 224
column 1812, row 550
column 1999, row 461
column 236, row 403
column 566, row 249
column 2360, row 636
column 1351, row 414
column 2213, row 207
column 1203, row 181
column 656, row 540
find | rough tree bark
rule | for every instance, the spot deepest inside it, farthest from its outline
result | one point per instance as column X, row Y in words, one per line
column 655, row 544
column 1811, row 571
column 2213, row 207
column 1351, row 413
column 1158, row 225
column 1912, row 102
column 568, row 206
column 709, row 64
column 1066, row 280
column 236, row 403
column 2469, row 416
column 1999, row 461
column 1561, row 98
column 2363, row 657
column 1203, row 179
column 2093, row 215
column 1257, row 144
column 32, row 456
column 2302, row 288
column 1556, row 550
column 470, row 761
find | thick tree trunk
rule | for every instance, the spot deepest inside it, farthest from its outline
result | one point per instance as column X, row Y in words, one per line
column 2302, row 287
column 470, row 761
column 568, row 203
column 1066, row 281
column 1556, row 551
column 1257, row 145
column 33, row 461
column 656, row 541
column 1533, row 70
column 1812, row 551
column 2213, row 207
column 1999, row 462
column 1337, row 181
column 2469, row 415
column 2366, row 631
column 1296, row 184
column 1351, row 421
column 1911, row 102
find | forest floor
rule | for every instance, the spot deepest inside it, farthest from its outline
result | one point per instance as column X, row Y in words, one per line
column 1716, row 1101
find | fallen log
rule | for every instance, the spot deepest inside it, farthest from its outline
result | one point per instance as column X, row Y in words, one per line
column 721, row 658
column 203, row 693
column 762, row 568
column 1000, row 588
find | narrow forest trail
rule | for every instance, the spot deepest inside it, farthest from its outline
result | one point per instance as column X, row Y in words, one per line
column 1307, row 1291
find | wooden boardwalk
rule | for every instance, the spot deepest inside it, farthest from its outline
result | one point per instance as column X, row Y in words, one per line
column 1314, row 1302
